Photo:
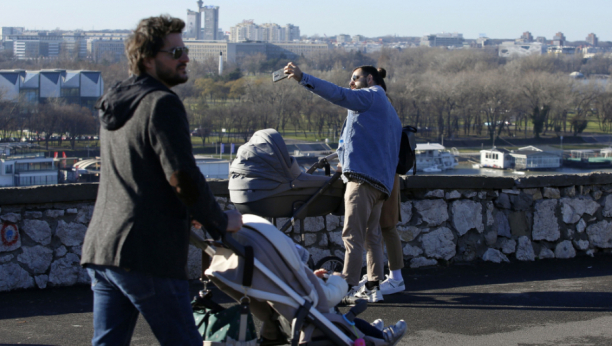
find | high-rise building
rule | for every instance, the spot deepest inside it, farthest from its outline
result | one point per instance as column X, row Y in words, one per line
column 559, row 39
column 342, row 38
column 442, row 40
column 526, row 37
column 194, row 23
column 211, row 22
column 592, row 40
column 269, row 32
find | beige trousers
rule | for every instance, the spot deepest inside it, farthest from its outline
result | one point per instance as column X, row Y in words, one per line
column 362, row 206
column 389, row 217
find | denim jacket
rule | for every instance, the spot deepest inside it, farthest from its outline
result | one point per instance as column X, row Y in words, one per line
column 370, row 138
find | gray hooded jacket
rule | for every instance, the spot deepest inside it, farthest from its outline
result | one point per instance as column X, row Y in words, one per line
column 150, row 187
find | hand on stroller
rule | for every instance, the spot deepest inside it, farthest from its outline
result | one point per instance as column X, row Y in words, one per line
column 234, row 221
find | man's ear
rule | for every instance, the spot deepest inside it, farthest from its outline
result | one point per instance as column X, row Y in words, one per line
column 149, row 64
column 370, row 80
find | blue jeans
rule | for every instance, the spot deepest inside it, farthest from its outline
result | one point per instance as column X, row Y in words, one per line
column 120, row 295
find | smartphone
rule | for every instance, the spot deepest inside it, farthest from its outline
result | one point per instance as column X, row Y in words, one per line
column 279, row 75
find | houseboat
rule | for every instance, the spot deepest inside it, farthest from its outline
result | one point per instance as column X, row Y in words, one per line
column 496, row 158
column 587, row 158
column 531, row 159
column 433, row 156
column 20, row 166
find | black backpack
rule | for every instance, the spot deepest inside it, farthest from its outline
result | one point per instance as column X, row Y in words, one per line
column 407, row 155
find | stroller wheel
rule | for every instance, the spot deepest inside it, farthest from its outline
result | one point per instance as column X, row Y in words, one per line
column 331, row 264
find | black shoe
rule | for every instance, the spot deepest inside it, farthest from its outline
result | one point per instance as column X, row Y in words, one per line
column 266, row 342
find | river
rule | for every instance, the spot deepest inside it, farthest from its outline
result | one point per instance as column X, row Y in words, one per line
column 465, row 168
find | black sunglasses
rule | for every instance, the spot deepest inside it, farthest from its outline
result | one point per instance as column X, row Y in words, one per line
column 177, row 52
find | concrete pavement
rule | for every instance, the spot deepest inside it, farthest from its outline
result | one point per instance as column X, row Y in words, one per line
column 547, row 302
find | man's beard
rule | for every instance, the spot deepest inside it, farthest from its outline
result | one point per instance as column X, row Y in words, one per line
column 170, row 77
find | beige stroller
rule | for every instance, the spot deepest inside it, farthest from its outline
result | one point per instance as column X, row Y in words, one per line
column 282, row 280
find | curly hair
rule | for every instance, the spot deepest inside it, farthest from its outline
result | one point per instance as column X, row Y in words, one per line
column 148, row 39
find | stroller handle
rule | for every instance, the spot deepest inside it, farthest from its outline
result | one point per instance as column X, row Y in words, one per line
column 322, row 163
column 196, row 240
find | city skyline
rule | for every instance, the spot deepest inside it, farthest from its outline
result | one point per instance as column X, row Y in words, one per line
column 496, row 19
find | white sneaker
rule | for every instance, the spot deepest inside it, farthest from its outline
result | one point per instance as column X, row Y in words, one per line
column 390, row 286
column 393, row 334
column 378, row 324
column 371, row 296
column 363, row 280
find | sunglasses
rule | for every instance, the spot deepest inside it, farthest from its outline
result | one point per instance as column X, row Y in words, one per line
column 177, row 52
column 356, row 77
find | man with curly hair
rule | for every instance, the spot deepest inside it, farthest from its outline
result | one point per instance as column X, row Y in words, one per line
column 150, row 192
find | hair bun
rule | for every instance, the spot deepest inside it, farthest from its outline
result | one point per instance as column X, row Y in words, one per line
column 382, row 72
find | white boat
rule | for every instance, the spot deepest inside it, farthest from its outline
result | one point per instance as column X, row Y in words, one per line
column 496, row 158
column 434, row 154
column 432, row 169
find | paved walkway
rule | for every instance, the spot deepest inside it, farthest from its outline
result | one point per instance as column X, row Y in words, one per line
column 548, row 302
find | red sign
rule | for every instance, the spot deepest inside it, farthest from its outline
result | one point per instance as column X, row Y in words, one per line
column 9, row 233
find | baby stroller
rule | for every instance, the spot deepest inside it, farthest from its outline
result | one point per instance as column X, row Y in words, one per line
column 266, row 181
column 281, row 279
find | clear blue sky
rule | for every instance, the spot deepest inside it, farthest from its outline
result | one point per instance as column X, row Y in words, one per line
column 495, row 18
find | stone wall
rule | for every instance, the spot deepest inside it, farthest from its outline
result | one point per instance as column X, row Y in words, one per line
column 445, row 219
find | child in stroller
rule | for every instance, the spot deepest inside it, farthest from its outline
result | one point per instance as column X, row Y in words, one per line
column 288, row 297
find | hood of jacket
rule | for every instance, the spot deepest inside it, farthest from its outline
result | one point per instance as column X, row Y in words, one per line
column 118, row 105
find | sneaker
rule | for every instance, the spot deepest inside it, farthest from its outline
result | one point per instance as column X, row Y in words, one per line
column 378, row 324
column 393, row 334
column 390, row 286
column 363, row 280
column 371, row 296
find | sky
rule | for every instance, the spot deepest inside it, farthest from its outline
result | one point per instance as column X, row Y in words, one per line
column 504, row 19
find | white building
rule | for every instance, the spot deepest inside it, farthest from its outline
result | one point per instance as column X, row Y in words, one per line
column 75, row 86
column 516, row 49
column 269, row 32
column 26, row 169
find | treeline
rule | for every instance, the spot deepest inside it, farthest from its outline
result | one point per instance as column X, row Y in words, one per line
column 444, row 93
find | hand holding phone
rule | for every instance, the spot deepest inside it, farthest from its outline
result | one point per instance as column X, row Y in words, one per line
column 279, row 75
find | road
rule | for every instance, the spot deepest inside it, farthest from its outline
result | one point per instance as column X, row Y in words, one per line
column 548, row 302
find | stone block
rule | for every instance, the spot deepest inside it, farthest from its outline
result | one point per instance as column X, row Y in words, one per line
column 72, row 211
column 482, row 195
column 452, row 195
column 65, row 271
column 54, row 213
column 596, row 195
column 70, row 234
column 408, row 233
column 467, row 215
column 60, row 251
column 569, row 191
column 422, row 262
column 13, row 277
column 439, row 243
column 600, row 234
column 503, row 201
column 412, row 251
column 323, row 242
column 6, row 258
column 582, row 245
column 36, row 258
column 434, row 212
column 33, row 214
column 491, row 237
column 84, row 215
column 38, row 230
column 336, row 238
column 310, row 239
column 469, row 194
column 317, row 254
column 552, row 193
column 439, row 193
column 565, row 249
column 546, row 253
column 607, row 210
column 333, row 222
column 490, row 210
column 510, row 191
column 495, row 256
column 405, row 212
column 508, row 246
column 521, row 202
column 535, row 194
column 502, row 225
column 581, row 226
column 41, row 281
column 313, row 224
column 524, row 251
column 11, row 217
column 545, row 223
column 572, row 209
